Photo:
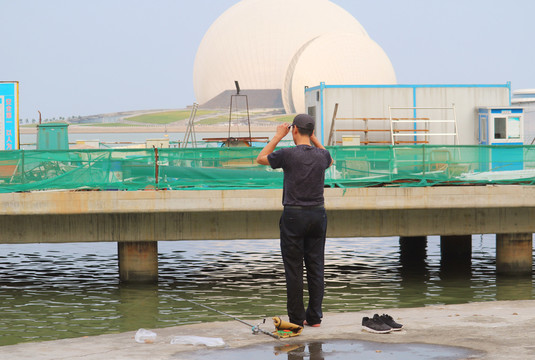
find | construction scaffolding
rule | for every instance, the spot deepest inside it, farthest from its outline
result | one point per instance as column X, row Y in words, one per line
column 190, row 128
column 395, row 129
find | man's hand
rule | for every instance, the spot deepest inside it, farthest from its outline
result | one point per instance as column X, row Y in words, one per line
column 314, row 140
column 282, row 131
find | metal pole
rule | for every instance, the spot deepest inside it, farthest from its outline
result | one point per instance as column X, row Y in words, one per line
column 391, row 125
column 230, row 119
column 156, row 164
column 329, row 142
column 194, row 137
column 248, row 121
column 22, row 168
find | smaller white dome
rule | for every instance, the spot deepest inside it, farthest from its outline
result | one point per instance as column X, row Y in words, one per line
column 357, row 58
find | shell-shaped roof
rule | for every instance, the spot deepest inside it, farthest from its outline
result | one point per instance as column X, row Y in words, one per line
column 260, row 42
column 336, row 58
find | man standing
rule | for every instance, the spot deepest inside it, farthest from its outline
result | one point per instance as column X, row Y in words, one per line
column 303, row 223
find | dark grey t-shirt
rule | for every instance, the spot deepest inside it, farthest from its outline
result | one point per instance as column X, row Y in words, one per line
column 304, row 173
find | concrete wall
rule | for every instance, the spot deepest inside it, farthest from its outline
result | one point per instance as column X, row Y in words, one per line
column 254, row 214
column 359, row 101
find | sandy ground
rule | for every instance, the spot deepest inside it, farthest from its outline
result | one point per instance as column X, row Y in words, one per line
column 496, row 330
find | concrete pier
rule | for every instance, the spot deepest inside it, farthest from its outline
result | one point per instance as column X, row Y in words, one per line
column 141, row 216
column 138, row 261
column 456, row 255
column 412, row 250
column 67, row 216
column 514, row 253
column 413, row 265
column 456, row 249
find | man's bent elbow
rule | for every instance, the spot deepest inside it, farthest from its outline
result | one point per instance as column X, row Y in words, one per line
column 262, row 160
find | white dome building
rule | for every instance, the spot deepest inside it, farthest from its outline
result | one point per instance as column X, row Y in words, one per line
column 285, row 45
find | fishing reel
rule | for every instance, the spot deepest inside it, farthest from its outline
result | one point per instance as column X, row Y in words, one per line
column 256, row 329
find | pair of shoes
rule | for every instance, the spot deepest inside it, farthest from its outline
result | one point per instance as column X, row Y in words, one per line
column 313, row 325
column 375, row 325
column 380, row 324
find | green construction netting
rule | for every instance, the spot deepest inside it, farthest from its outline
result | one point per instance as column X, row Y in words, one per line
column 235, row 168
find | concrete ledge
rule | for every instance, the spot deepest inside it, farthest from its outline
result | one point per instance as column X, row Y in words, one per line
column 254, row 214
column 384, row 198
column 497, row 330
column 231, row 225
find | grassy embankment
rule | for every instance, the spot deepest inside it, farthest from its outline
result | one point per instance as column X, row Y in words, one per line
column 210, row 117
column 167, row 117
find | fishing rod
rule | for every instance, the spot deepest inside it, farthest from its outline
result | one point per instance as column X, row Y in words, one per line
column 255, row 328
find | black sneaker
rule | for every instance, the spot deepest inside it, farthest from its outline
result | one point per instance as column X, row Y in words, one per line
column 375, row 325
column 388, row 320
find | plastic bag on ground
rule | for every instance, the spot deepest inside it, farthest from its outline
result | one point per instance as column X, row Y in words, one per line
column 144, row 336
column 198, row 340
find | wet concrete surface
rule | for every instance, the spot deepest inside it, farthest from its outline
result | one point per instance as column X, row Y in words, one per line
column 489, row 330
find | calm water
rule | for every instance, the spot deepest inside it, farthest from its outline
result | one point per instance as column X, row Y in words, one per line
column 53, row 291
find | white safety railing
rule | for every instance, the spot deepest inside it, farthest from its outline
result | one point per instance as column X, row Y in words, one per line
column 424, row 131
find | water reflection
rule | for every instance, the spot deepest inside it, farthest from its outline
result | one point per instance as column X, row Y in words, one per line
column 341, row 349
column 413, row 269
column 514, row 287
column 138, row 306
column 312, row 351
column 336, row 350
column 51, row 291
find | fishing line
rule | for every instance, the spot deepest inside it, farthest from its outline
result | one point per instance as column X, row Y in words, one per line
column 255, row 328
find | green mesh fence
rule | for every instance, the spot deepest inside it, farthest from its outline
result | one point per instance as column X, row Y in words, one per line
column 236, row 168
column 26, row 170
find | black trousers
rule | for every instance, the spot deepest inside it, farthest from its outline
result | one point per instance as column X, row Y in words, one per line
column 302, row 238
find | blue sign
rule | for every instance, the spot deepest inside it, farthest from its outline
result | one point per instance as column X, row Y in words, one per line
column 9, row 115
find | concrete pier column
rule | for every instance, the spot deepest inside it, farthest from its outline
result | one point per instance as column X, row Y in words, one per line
column 514, row 253
column 413, row 267
column 413, row 255
column 456, row 249
column 456, row 256
column 413, row 249
column 138, row 261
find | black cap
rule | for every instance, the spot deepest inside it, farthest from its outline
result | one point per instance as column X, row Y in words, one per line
column 304, row 121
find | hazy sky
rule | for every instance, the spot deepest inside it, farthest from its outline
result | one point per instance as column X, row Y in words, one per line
column 81, row 57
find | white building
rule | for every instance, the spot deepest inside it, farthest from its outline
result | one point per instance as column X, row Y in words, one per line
column 431, row 114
